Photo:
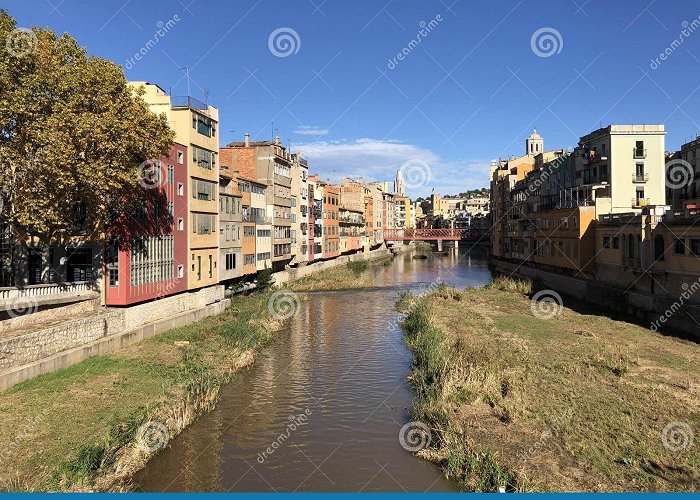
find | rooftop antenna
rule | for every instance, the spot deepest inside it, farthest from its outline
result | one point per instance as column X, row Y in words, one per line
column 187, row 73
column 206, row 97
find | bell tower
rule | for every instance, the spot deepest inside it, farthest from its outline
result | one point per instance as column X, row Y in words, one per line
column 534, row 144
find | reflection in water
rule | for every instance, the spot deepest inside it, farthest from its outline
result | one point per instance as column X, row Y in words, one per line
column 340, row 366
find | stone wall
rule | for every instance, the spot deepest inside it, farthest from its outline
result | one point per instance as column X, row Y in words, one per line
column 48, row 315
column 38, row 344
column 678, row 312
column 42, row 343
column 301, row 272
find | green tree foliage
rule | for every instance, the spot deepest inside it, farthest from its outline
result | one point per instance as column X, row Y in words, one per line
column 72, row 134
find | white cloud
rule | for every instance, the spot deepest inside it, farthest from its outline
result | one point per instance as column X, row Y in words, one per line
column 311, row 130
column 378, row 160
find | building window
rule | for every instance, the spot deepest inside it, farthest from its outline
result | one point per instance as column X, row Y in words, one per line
column 203, row 158
column 695, row 247
column 171, row 174
column 202, row 223
column 152, row 259
column 230, row 261
column 203, row 125
column 180, row 157
column 679, row 246
column 113, row 261
column 180, row 224
column 180, row 271
column 202, row 190
column 211, row 268
column 180, row 189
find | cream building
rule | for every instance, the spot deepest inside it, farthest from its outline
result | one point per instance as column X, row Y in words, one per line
column 621, row 168
column 196, row 126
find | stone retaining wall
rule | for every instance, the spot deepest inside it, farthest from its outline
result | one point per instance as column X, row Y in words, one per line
column 33, row 346
column 646, row 307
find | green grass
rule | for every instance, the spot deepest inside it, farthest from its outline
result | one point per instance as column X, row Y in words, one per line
column 78, row 420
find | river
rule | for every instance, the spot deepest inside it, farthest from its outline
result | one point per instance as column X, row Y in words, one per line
column 330, row 392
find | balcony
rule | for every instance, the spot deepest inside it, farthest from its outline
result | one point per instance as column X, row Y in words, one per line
column 640, row 202
column 639, row 153
column 187, row 102
column 637, row 178
column 256, row 219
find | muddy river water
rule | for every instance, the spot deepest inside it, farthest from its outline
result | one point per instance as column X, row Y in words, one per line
column 322, row 407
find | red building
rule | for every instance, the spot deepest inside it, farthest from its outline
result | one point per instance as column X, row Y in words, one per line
column 146, row 251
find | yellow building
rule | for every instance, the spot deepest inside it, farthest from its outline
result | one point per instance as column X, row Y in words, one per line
column 196, row 126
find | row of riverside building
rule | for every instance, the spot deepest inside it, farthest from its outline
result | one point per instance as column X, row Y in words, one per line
column 617, row 209
column 232, row 211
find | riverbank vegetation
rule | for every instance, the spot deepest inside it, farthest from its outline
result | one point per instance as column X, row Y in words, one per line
column 79, row 428
column 577, row 402
column 357, row 274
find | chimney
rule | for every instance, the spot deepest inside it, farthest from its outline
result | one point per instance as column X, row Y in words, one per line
column 277, row 140
column 247, row 139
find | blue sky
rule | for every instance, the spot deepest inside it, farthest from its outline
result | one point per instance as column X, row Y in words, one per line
column 469, row 92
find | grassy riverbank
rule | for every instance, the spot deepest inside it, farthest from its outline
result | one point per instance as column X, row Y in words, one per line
column 77, row 428
column 358, row 274
column 576, row 402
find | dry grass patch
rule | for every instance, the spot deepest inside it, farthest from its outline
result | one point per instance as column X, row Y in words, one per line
column 578, row 402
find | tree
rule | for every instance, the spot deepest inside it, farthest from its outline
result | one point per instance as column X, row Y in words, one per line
column 72, row 133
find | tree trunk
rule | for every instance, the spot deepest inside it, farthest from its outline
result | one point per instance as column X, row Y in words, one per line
column 45, row 260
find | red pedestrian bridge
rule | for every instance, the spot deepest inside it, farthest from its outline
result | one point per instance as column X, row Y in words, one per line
column 423, row 234
column 438, row 235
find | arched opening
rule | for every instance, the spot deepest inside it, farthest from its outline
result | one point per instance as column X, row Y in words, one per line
column 659, row 248
column 630, row 247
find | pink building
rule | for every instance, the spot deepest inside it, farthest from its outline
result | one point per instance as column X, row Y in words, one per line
column 146, row 251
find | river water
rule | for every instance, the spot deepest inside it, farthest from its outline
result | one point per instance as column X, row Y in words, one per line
column 330, row 392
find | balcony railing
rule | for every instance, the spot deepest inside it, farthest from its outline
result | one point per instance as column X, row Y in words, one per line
column 38, row 295
column 640, row 202
column 640, row 177
column 257, row 219
column 187, row 102
column 639, row 152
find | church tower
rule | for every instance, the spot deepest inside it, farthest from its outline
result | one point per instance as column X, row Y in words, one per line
column 534, row 144
column 398, row 184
